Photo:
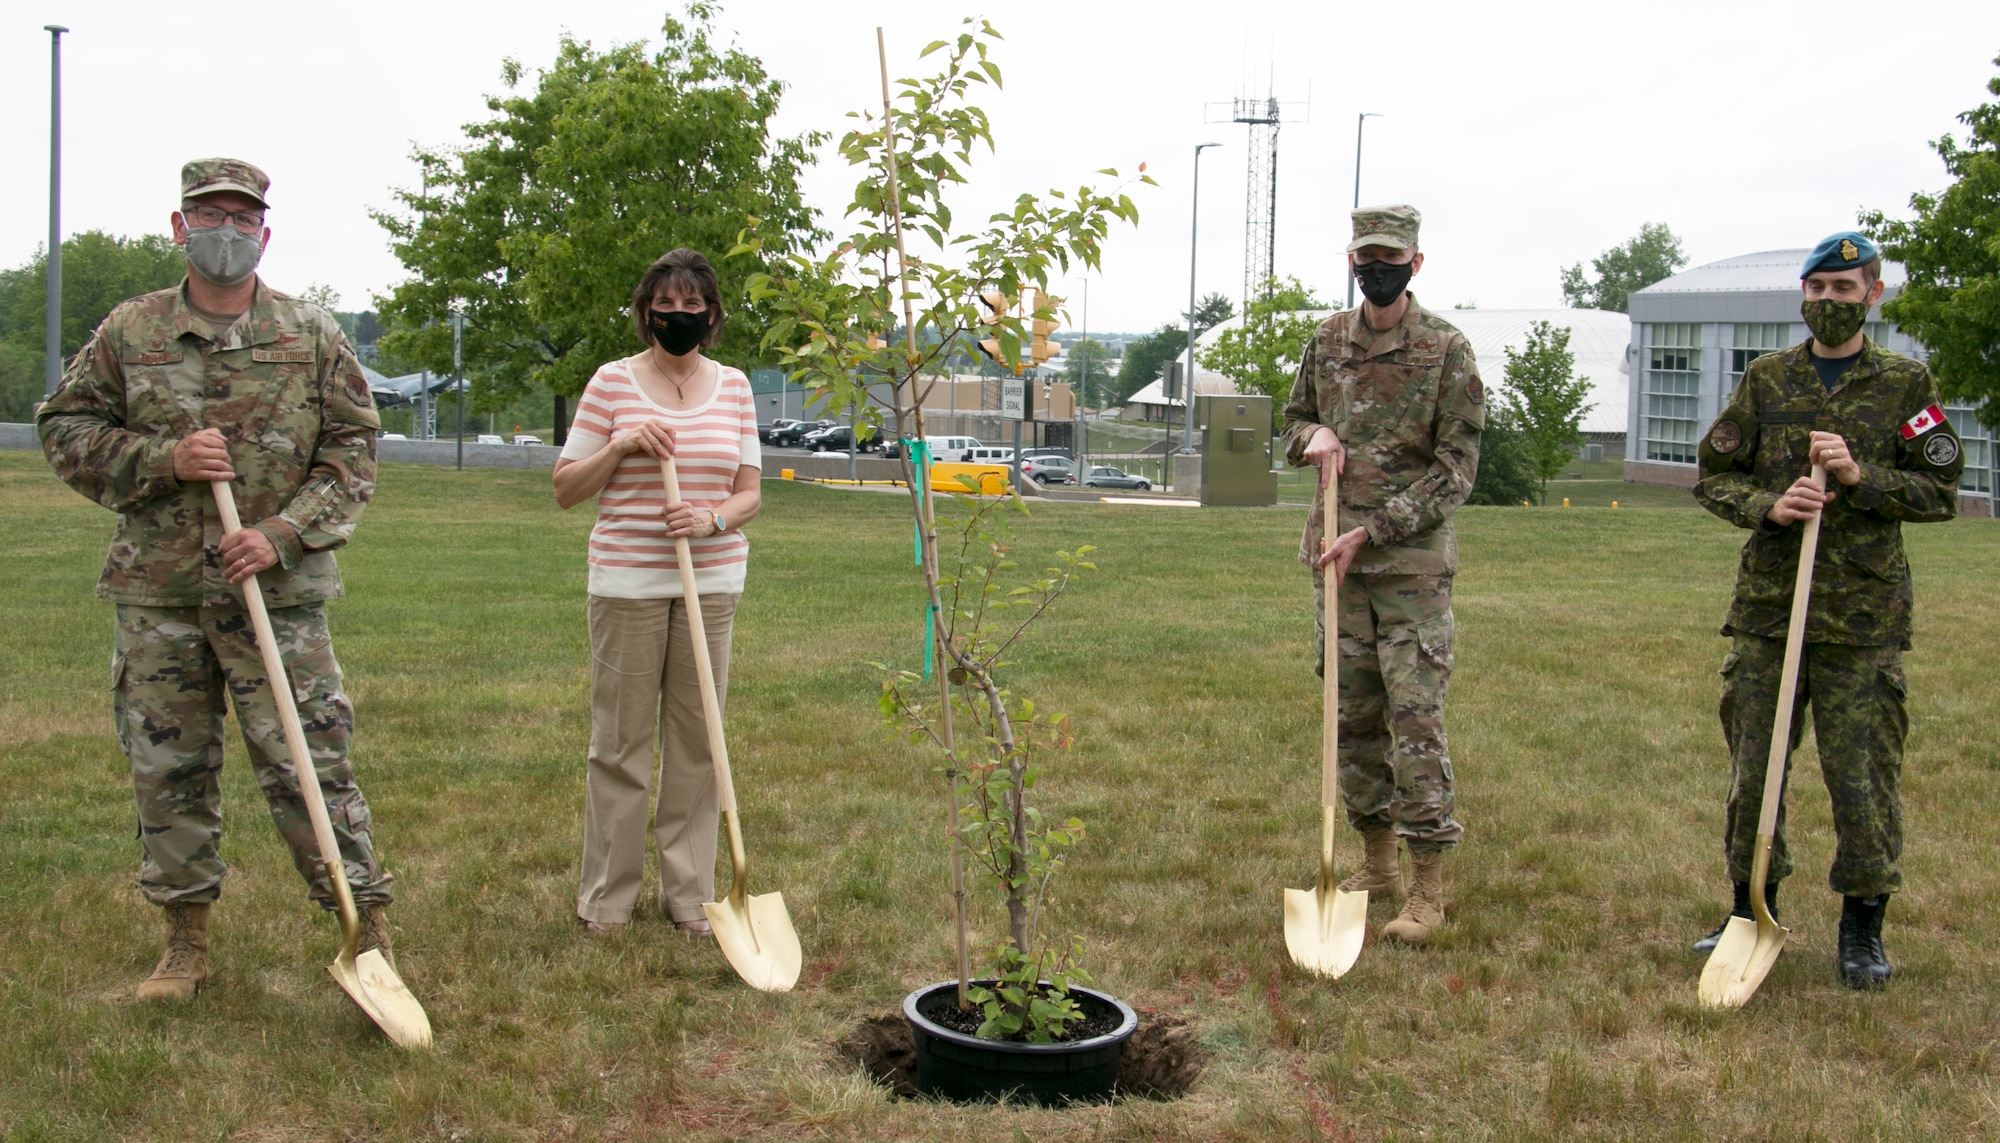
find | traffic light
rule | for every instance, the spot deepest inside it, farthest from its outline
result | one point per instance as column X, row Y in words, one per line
column 1040, row 348
column 997, row 306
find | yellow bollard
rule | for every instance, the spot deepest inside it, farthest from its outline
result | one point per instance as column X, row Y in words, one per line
column 1614, row 503
column 785, row 474
column 1565, row 501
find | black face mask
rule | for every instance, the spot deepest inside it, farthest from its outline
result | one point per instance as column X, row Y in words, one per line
column 677, row 331
column 1384, row 282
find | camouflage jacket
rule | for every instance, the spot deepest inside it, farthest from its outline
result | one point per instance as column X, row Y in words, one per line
column 288, row 395
column 1408, row 405
column 1761, row 443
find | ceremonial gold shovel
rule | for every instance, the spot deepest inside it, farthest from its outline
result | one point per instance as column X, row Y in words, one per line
column 1324, row 927
column 1748, row 947
column 755, row 933
column 367, row 977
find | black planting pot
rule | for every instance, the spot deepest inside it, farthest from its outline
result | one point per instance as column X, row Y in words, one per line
column 952, row 1065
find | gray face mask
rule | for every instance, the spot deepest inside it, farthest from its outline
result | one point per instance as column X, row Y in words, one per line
column 223, row 254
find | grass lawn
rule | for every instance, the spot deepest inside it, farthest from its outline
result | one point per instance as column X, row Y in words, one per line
column 1559, row 1001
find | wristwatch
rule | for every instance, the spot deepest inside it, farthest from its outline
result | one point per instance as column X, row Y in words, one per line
column 721, row 525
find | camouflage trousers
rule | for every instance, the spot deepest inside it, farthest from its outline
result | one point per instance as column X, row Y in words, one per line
column 168, row 674
column 1856, row 695
column 1394, row 636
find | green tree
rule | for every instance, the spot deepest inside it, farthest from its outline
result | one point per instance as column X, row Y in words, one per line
column 1654, row 255
column 1087, row 358
column 1545, row 400
column 832, row 318
column 99, row 270
column 1262, row 354
column 21, row 382
column 1506, row 471
column 1951, row 251
column 542, row 223
column 1211, row 311
column 1145, row 356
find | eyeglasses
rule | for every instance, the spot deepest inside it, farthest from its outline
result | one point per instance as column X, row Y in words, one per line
column 209, row 217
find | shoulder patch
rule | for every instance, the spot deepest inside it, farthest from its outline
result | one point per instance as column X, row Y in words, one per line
column 1725, row 437
column 1941, row 450
column 1475, row 390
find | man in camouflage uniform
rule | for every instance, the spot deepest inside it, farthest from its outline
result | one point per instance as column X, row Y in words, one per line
column 1871, row 417
column 1389, row 396
column 222, row 378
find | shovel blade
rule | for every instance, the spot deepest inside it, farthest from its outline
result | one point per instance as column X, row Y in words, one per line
column 759, row 940
column 1742, row 959
column 376, row 988
column 1324, row 931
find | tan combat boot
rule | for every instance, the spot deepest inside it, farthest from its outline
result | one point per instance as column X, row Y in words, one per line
column 375, row 933
column 1423, row 913
column 184, row 965
column 1383, row 873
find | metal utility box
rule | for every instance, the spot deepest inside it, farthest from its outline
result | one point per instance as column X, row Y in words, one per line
column 1236, row 451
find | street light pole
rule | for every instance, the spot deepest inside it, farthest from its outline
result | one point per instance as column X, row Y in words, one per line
column 1187, row 381
column 52, row 323
column 1082, row 387
column 458, row 376
column 1358, row 121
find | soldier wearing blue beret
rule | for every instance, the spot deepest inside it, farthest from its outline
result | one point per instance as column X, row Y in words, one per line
column 1872, row 419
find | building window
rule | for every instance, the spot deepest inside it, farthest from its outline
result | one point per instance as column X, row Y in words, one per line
column 1673, row 390
column 1878, row 332
column 1754, row 340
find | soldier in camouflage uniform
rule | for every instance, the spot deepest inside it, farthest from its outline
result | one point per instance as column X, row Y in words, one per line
column 222, row 378
column 1390, row 396
column 1871, row 417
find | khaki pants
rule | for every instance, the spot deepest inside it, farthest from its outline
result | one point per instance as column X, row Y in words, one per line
column 643, row 688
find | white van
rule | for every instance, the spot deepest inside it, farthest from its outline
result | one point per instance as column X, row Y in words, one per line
column 990, row 454
column 489, row 438
column 956, row 450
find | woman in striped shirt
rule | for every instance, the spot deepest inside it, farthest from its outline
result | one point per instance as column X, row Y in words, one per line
column 668, row 398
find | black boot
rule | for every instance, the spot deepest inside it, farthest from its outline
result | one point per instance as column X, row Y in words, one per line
column 1741, row 908
column 1863, row 964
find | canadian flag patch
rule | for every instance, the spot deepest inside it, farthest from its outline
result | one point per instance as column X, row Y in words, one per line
column 1922, row 423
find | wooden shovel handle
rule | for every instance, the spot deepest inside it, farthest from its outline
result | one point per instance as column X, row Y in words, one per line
column 711, row 705
column 279, row 681
column 1329, row 766
column 1788, row 680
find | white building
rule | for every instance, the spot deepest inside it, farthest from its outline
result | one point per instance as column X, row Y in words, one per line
column 1690, row 337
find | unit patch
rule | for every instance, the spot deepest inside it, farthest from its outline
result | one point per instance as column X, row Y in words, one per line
column 1475, row 390
column 1941, row 450
column 1725, row 437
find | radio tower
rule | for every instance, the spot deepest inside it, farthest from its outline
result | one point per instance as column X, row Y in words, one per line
column 1260, row 189
column 1260, row 194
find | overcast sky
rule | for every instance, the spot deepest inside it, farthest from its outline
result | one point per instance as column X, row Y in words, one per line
column 1531, row 135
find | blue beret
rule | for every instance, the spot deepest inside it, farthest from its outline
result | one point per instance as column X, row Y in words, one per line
column 1844, row 251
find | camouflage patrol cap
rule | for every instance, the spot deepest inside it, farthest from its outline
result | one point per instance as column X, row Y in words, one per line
column 1391, row 226
column 1844, row 251
column 208, row 176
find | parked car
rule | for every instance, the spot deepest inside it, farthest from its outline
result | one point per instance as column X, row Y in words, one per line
column 764, row 431
column 489, row 438
column 1104, row 476
column 838, row 438
column 952, row 449
column 1061, row 452
column 990, row 454
column 793, row 434
column 1049, row 469
column 392, row 437
column 526, row 439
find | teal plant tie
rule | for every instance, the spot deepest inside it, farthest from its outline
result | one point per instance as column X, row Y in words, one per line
column 930, row 637
column 920, row 462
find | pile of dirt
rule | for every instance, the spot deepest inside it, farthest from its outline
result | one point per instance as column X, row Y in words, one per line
column 1162, row 1060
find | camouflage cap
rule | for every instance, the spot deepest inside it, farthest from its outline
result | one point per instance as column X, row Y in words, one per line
column 1844, row 251
column 208, row 176
column 1392, row 226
